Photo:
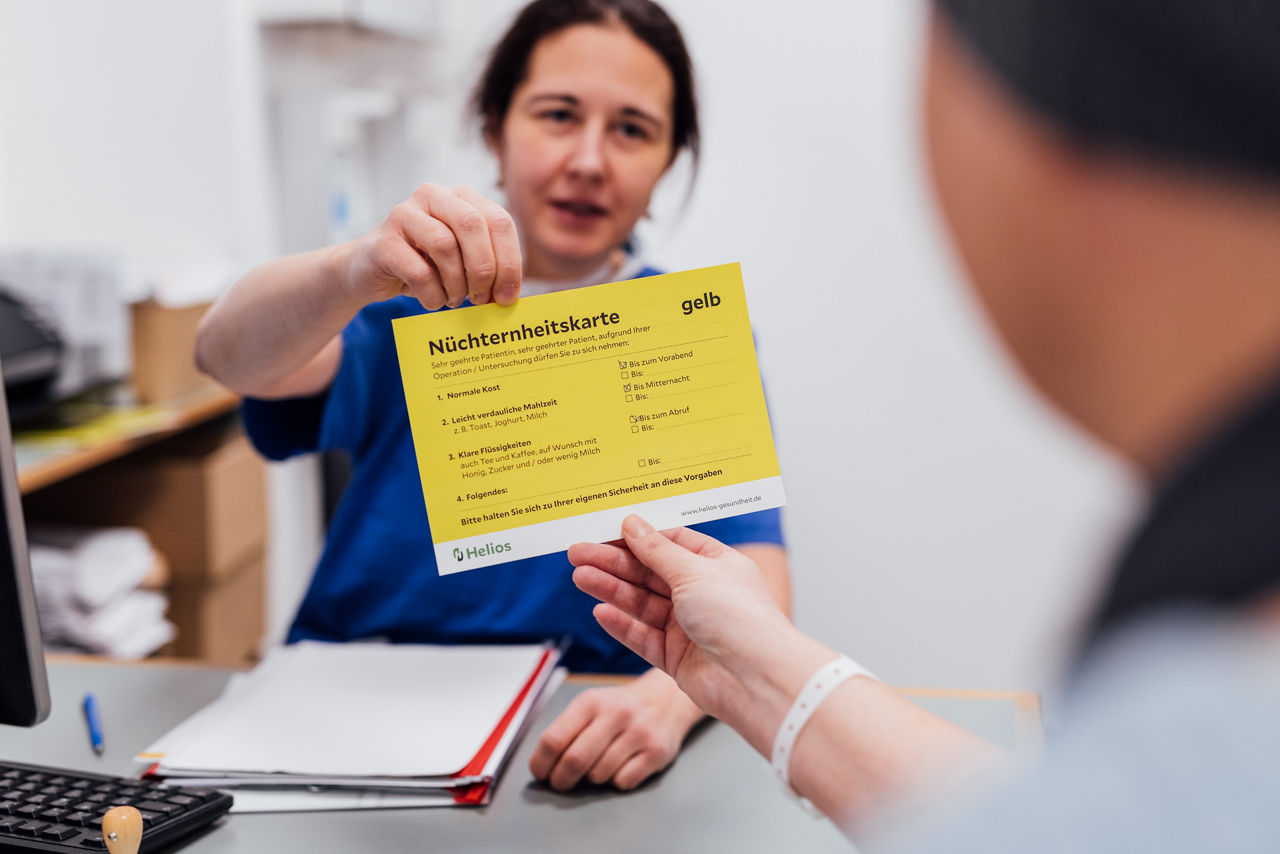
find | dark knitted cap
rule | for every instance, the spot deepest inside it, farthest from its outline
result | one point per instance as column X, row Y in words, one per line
column 1193, row 81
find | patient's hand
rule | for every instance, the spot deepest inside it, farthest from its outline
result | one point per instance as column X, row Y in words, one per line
column 692, row 607
column 620, row 734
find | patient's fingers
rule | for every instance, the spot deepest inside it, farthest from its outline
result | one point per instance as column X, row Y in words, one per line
column 645, row 641
column 619, row 562
column 597, row 554
column 644, row 605
column 696, row 542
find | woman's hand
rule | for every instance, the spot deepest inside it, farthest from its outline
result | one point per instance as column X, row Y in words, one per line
column 621, row 734
column 277, row 332
column 690, row 606
column 442, row 246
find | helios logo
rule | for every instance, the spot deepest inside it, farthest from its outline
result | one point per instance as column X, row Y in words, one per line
column 482, row 551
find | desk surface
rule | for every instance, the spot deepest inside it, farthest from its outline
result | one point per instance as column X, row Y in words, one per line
column 719, row 796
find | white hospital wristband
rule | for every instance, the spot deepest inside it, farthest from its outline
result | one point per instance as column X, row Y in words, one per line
column 829, row 677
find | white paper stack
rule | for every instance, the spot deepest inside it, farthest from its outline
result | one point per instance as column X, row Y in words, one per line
column 347, row 726
column 88, row 585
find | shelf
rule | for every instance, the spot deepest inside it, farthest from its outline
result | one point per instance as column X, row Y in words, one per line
column 46, row 459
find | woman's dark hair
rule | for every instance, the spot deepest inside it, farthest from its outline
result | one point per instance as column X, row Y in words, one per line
column 647, row 21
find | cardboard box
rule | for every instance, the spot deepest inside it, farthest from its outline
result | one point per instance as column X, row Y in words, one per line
column 201, row 497
column 221, row 621
column 164, row 340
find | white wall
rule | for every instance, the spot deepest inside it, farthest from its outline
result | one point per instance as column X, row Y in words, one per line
column 944, row 527
column 133, row 126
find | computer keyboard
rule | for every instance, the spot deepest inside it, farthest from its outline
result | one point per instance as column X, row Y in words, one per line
column 52, row 809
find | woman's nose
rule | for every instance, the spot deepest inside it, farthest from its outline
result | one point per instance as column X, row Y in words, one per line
column 587, row 159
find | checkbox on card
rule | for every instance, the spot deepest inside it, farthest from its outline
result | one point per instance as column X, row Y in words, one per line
column 624, row 375
column 630, row 398
column 640, row 463
column 635, row 429
column 634, row 419
column 622, row 363
column 626, row 387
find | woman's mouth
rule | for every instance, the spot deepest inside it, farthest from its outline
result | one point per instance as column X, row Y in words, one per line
column 578, row 212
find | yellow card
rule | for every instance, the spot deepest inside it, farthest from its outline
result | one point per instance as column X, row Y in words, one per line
column 545, row 423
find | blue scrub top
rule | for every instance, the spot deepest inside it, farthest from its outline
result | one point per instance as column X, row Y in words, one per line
column 377, row 576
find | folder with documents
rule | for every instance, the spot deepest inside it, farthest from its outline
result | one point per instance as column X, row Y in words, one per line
column 345, row 726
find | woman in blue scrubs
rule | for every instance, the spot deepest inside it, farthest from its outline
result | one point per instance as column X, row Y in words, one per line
column 584, row 105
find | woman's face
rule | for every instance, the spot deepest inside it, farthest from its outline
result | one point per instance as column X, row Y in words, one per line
column 584, row 142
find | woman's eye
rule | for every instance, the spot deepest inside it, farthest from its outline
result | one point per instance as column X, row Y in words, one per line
column 631, row 130
column 558, row 115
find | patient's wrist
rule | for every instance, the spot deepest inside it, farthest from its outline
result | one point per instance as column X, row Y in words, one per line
column 771, row 679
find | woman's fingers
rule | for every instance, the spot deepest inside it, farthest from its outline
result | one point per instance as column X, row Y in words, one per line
column 437, row 243
column 466, row 247
column 469, row 229
column 607, row 734
column 399, row 260
column 640, row 767
column 583, row 752
column 557, row 738
column 506, row 249
column 622, row 748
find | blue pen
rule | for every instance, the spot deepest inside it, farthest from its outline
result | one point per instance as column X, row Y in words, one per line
column 95, row 725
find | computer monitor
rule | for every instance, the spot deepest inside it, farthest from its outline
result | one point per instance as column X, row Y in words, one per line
column 24, row 685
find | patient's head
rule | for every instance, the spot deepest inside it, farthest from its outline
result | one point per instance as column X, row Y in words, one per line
column 1110, row 173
